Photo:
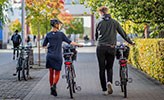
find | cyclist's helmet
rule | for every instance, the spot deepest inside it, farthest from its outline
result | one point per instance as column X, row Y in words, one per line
column 54, row 22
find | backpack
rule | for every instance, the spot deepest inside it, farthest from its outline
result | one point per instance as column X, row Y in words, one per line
column 15, row 38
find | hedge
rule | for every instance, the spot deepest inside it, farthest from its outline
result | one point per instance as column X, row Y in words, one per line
column 148, row 56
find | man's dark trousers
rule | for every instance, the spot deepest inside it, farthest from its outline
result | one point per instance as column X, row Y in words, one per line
column 16, row 46
column 106, row 56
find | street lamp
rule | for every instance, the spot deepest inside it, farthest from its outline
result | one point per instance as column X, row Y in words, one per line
column 23, row 20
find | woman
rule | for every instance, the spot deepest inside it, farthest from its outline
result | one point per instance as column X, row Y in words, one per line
column 54, row 41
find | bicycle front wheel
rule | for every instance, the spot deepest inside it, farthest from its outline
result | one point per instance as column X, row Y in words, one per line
column 70, row 84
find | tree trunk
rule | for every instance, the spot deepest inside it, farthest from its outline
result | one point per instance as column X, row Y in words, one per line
column 38, row 45
column 146, row 31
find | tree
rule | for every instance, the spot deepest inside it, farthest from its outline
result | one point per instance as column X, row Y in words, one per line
column 15, row 25
column 76, row 26
column 4, row 4
column 39, row 12
column 138, row 11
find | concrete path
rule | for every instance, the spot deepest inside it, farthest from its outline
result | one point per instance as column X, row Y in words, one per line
column 86, row 66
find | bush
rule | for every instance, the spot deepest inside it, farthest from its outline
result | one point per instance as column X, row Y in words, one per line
column 148, row 55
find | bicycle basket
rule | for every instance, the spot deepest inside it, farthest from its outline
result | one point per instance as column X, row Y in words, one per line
column 68, row 49
column 125, row 52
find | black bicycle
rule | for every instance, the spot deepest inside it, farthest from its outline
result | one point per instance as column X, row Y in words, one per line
column 70, row 55
column 22, row 69
column 122, row 52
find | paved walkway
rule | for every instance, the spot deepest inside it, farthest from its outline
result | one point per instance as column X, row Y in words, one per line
column 86, row 68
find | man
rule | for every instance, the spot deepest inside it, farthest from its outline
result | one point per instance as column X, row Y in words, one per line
column 16, row 38
column 106, row 32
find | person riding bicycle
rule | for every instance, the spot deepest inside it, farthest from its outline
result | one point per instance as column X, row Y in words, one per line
column 16, row 39
column 106, row 31
column 54, row 40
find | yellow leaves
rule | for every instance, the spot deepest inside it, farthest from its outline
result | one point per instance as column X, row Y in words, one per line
column 149, row 57
column 15, row 25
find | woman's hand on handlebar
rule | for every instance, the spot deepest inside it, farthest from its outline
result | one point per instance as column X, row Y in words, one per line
column 76, row 44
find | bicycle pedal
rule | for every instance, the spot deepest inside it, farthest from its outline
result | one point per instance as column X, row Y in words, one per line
column 64, row 76
column 78, row 88
column 117, row 83
column 130, row 80
column 14, row 74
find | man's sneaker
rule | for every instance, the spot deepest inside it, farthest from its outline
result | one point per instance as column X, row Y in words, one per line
column 105, row 93
column 109, row 88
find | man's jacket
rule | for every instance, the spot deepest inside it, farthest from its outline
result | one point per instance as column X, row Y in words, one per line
column 106, row 31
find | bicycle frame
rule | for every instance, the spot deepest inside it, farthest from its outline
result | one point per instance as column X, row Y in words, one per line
column 23, row 63
column 69, row 70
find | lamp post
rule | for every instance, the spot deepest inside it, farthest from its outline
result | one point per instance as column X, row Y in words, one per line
column 23, row 21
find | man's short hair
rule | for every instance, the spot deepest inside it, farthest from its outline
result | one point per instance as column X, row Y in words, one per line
column 103, row 9
column 16, row 31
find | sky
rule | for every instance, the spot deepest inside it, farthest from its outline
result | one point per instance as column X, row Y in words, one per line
column 87, row 21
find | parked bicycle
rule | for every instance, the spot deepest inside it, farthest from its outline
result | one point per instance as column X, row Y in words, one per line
column 23, row 66
column 70, row 55
column 122, row 52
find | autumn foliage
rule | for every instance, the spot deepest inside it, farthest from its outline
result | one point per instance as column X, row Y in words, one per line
column 50, row 8
column 15, row 25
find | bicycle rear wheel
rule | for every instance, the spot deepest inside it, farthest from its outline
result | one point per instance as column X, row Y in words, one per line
column 73, row 81
column 124, row 81
column 122, row 88
column 19, row 75
column 25, row 70
column 70, row 84
column 125, row 90
column 19, row 68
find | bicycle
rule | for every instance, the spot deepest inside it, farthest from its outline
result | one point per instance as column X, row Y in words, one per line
column 70, row 55
column 22, row 69
column 122, row 52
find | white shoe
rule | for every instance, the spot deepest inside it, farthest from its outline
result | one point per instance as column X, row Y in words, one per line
column 105, row 93
column 109, row 88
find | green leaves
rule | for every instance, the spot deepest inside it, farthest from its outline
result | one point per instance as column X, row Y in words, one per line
column 137, row 11
column 3, row 5
column 76, row 26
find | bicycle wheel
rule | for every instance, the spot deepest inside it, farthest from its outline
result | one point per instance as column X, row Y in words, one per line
column 122, row 89
column 73, row 76
column 123, row 76
column 19, row 75
column 70, row 84
column 125, row 90
column 24, row 70
column 19, row 68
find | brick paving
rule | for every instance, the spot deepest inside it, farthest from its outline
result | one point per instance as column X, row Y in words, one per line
column 142, row 88
column 10, row 87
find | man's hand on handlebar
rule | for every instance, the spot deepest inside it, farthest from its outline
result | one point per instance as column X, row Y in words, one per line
column 133, row 44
